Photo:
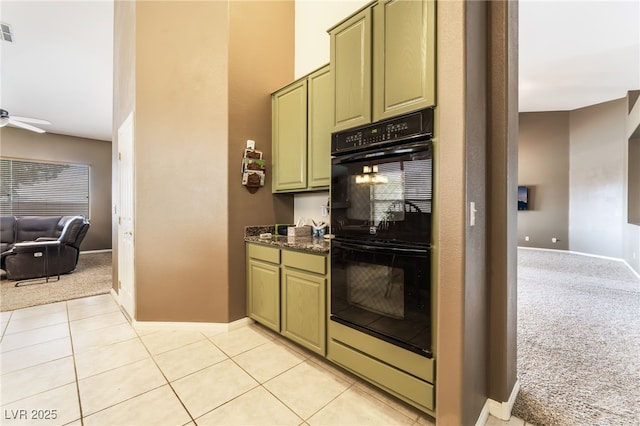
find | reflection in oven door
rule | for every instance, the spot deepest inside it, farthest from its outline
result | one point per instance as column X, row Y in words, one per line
column 376, row 288
column 384, row 195
column 384, row 292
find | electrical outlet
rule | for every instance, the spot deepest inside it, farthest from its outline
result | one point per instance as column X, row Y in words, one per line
column 526, row 238
column 554, row 240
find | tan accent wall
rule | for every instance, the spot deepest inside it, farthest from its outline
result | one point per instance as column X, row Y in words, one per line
column 597, row 156
column 502, row 178
column 543, row 166
column 261, row 45
column 576, row 164
column 631, row 229
column 25, row 145
column 476, row 155
column 449, row 212
column 181, row 134
column 476, row 346
column 199, row 79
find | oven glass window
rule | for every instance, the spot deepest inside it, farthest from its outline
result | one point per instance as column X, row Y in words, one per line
column 383, row 292
column 388, row 198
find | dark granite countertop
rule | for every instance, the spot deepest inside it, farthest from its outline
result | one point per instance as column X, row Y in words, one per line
column 310, row 244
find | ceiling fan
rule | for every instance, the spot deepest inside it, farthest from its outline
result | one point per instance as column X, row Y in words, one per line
column 16, row 121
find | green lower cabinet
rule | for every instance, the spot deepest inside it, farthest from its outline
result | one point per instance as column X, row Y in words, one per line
column 263, row 285
column 286, row 291
column 264, row 293
column 303, row 309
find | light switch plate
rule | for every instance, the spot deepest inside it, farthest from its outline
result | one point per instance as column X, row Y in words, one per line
column 472, row 213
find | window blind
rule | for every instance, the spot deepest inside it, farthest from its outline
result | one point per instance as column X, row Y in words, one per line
column 406, row 182
column 29, row 188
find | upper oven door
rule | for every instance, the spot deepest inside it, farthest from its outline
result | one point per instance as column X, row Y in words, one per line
column 384, row 194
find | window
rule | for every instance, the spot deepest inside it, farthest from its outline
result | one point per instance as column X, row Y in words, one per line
column 29, row 188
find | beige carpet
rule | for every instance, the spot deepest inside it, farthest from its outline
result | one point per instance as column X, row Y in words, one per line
column 578, row 340
column 92, row 276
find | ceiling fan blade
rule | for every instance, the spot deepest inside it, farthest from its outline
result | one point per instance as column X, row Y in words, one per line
column 16, row 123
column 30, row 120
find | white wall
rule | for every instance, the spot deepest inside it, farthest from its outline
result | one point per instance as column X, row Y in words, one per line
column 313, row 19
column 309, row 207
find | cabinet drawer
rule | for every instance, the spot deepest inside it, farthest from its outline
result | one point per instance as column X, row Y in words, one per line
column 416, row 392
column 305, row 262
column 401, row 359
column 268, row 254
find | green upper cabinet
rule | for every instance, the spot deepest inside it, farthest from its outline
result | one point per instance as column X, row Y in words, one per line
column 351, row 70
column 383, row 62
column 320, row 126
column 301, row 139
column 404, row 57
column 289, row 139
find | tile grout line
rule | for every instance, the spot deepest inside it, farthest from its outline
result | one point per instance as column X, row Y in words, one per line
column 32, row 329
column 75, row 367
column 262, row 385
column 230, row 358
column 274, row 339
column 162, row 372
column 4, row 330
column 147, row 391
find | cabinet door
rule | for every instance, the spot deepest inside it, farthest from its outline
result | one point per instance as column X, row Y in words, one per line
column 289, row 138
column 263, row 293
column 404, row 57
column 351, row 70
column 303, row 309
column 320, row 127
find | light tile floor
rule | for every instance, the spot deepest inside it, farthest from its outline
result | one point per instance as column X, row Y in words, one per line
column 80, row 362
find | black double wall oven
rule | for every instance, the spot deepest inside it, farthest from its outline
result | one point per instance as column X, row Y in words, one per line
column 381, row 203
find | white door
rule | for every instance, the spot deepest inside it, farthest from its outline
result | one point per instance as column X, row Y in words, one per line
column 126, row 274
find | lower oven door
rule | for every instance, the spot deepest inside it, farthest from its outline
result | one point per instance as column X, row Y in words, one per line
column 384, row 292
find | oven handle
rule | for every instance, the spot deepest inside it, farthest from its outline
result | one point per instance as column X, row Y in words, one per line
column 409, row 148
column 387, row 250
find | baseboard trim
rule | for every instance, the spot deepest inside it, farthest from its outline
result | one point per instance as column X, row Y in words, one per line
column 484, row 414
column 205, row 327
column 500, row 410
column 96, row 251
column 617, row 259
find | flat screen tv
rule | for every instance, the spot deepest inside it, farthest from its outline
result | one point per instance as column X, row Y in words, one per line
column 523, row 198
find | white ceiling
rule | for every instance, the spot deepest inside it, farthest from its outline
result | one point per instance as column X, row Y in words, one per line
column 573, row 53
column 59, row 67
column 577, row 53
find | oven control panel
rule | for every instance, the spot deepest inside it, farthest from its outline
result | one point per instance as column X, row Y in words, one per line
column 417, row 124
